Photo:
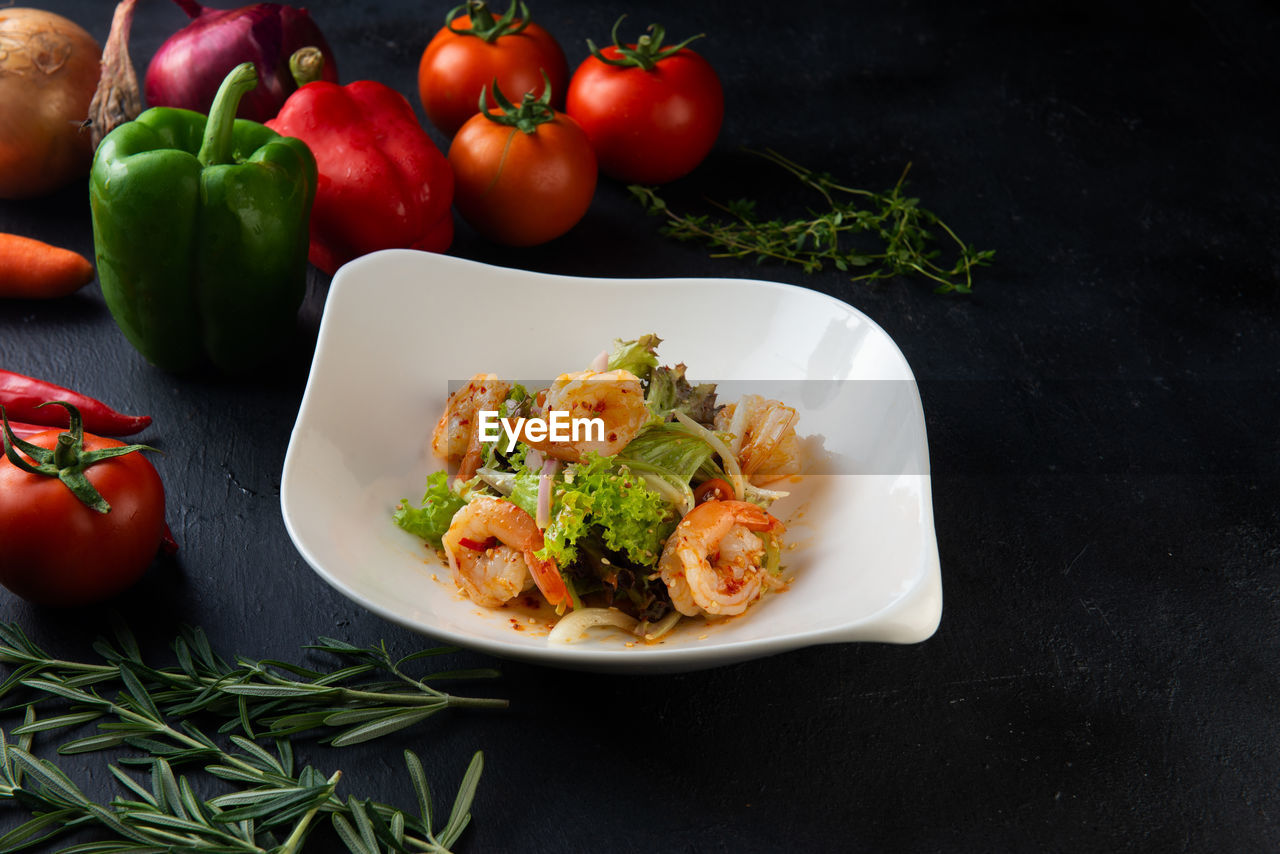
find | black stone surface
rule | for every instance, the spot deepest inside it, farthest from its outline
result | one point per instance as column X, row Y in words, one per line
column 1102, row 419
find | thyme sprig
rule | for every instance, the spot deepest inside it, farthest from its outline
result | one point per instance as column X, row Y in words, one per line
column 155, row 712
column 901, row 228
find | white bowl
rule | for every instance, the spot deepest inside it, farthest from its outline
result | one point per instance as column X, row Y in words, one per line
column 400, row 325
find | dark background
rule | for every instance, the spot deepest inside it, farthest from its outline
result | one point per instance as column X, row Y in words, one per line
column 1102, row 419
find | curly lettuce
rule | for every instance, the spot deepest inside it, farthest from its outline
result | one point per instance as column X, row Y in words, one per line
column 599, row 499
column 431, row 520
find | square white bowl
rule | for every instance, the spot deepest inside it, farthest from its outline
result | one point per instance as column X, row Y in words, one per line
column 400, row 325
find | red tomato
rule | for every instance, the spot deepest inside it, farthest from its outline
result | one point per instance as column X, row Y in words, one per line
column 647, row 125
column 713, row 490
column 519, row 187
column 468, row 54
column 54, row 550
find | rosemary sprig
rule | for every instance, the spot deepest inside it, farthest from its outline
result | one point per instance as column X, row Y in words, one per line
column 265, row 698
column 170, row 816
column 152, row 712
column 900, row 226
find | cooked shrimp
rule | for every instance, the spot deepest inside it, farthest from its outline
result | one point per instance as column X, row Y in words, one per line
column 764, row 437
column 456, row 438
column 616, row 398
column 490, row 545
column 713, row 562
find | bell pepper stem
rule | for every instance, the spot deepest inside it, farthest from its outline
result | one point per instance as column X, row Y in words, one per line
column 218, row 131
column 306, row 65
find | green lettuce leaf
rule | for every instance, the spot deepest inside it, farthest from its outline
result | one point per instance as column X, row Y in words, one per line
column 638, row 356
column 524, row 493
column 668, row 449
column 669, row 391
column 518, row 403
column 431, row 520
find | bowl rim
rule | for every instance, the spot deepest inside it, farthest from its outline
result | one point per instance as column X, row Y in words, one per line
column 912, row 617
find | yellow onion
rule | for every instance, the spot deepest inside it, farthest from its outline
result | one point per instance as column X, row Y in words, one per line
column 48, row 74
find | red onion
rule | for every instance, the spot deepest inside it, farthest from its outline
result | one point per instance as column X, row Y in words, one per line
column 189, row 67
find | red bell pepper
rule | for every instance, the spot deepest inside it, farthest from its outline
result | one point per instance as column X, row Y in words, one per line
column 383, row 183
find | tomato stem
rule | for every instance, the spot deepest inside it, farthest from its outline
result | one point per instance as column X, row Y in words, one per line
column 486, row 27
column 67, row 460
column 646, row 53
column 64, row 452
column 531, row 111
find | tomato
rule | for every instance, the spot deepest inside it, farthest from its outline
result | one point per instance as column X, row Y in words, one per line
column 713, row 490
column 471, row 51
column 55, row 550
column 652, row 113
column 522, row 175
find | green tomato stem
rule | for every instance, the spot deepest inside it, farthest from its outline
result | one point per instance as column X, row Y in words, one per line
column 645, row 54
column 484, row 26
column 525, row 117
column 67, row 460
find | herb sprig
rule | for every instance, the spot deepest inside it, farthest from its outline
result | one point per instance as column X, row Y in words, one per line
column 903, row 231
column 267, row 698
column 155, row 711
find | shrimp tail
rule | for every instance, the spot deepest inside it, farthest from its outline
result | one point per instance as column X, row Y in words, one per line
column 755, row 518
column 471, row 459
column 547, row 576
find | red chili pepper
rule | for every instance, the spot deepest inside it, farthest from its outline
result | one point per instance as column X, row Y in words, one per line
column 168, row 543
column 383, row 183
column 21, row 396
column 468, row 543
column 26, row 431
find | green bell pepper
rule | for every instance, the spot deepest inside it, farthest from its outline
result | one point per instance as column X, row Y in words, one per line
column 200, row 228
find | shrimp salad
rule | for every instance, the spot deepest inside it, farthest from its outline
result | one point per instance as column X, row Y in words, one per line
column 657, row 510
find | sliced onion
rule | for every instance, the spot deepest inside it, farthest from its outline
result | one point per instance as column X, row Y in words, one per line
column 738, row 424
column 762, row 497
column 730, row 462
column 663, row 626
column 503, row 482
column 546, row 481
column 573, row 627
column 600, row 362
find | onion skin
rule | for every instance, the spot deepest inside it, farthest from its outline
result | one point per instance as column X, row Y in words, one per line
column 188, row 68
column 48, row 74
